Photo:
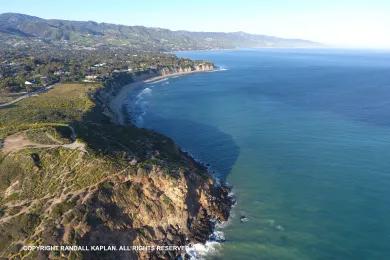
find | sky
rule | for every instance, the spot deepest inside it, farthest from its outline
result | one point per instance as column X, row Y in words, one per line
column 338, row 23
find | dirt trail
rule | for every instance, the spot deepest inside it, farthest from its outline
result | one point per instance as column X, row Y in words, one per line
column 16, row 142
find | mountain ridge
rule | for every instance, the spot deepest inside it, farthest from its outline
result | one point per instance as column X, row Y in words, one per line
column 91, row 33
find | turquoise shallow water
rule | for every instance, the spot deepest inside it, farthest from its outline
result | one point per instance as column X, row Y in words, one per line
column 304, row 138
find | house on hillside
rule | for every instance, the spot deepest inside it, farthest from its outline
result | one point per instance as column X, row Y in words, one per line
column 90, row 78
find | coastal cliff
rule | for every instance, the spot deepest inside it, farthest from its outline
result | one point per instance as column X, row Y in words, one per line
column 200, row 67
column 87, row 182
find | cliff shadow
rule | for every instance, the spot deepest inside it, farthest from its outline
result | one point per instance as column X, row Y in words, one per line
column 207, row 144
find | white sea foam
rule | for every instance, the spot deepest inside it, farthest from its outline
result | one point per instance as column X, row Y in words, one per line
column 200, row 251
column 145, row 91
column 217, row 236
column 221, row 69
column 140, row 106
column 216, row 70
column 158, row 81
column 211, row 248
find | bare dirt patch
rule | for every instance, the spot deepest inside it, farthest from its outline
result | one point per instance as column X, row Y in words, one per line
column 19, row 141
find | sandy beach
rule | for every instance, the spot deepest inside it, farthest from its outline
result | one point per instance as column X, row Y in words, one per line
column 117, row 102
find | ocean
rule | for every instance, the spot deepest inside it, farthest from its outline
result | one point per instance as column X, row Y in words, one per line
column 304, row 138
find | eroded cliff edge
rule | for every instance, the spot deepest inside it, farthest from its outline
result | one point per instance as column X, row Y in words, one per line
column 78, row 179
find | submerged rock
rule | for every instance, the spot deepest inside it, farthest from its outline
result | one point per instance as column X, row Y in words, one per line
column 218, row 236
column 243, row 219
column 279, row 228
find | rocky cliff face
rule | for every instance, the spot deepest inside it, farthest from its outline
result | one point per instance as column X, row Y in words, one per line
column 150, row 208
column 197, row 67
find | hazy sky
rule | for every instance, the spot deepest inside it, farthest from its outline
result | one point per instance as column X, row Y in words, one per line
column 347, row 23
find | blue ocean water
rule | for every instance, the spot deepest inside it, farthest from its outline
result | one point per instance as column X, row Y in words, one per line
column 304, row 138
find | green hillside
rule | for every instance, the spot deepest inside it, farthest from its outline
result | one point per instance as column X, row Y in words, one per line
column 18, row 26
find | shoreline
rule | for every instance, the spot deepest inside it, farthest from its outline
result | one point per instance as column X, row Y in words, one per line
column 119, row 100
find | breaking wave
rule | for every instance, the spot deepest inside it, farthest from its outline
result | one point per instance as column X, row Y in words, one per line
column 157, row 81
column 200, row 251
column 140, row 106
column 210, row 248
column 221, row 69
